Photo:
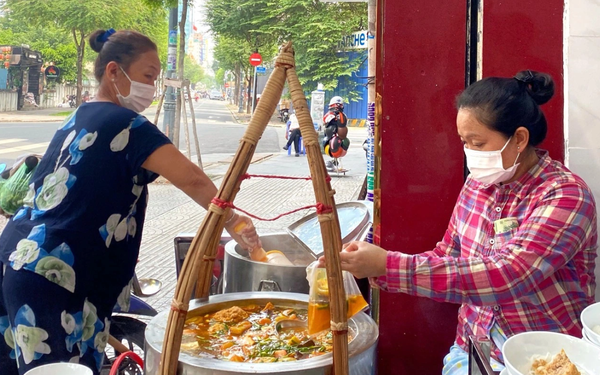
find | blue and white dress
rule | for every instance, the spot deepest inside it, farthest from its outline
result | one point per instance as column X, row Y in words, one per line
column 70, row 251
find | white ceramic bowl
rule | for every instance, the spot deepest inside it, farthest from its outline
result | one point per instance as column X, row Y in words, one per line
column 519, row 350
column 586, row 338
column 590, row 318
column 60, row 369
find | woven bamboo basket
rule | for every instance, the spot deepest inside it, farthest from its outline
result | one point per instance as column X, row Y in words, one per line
column 197, row 267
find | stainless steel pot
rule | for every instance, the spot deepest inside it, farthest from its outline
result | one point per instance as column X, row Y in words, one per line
column 241, row 274
column 361, row 350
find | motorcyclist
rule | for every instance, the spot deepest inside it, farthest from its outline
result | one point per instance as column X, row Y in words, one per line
column 335, row 141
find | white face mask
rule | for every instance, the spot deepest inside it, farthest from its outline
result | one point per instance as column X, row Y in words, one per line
column 487, row 167
column 140, row 95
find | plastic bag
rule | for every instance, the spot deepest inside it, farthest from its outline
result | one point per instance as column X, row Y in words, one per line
column 319, row 313
column 15, row 188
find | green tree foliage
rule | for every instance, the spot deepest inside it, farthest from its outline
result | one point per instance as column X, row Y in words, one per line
column 52, row 42
column 78, row 19
column 316, row 28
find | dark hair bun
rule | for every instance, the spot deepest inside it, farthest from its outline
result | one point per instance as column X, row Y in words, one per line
column 95, row 44
column 539, row 85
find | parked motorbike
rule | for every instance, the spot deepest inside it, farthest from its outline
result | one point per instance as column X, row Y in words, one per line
column 127, row 325
column 284, row 115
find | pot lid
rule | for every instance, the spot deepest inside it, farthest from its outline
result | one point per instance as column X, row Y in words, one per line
column 355, row 221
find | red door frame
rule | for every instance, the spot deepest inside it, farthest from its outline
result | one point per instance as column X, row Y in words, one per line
column 420, row 70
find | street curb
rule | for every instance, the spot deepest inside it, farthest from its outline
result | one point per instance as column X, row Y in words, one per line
column 4, row 120
column 240, row 122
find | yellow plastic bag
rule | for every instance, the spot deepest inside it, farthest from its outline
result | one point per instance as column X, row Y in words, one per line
column 319, row 313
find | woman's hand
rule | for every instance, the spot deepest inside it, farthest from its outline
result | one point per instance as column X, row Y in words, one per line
column 246, row 237
column 362, row 259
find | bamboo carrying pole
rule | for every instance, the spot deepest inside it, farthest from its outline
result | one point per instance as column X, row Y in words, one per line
column 197, row 267
column 329, row 222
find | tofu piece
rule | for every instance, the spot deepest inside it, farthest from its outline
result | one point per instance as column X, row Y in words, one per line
column 559, row 365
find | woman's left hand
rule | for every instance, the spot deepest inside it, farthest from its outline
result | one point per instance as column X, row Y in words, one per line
column 362, row 259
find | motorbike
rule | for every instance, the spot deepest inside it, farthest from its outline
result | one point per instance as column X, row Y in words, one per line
column 127, row 325
column 284, row 115
column 72, row 101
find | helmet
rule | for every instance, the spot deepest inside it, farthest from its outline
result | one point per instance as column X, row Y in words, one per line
column 337, row 148
column 336, row 102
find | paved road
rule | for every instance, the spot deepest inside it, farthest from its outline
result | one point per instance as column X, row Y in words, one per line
column 217, row 133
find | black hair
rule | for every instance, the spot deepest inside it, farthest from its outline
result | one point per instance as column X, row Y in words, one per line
column 505, row 104
column 123, row 47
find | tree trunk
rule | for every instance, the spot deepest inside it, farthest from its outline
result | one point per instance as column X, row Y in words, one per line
column 238, row 83
column 79, row 38
column 249, row 100
column 179, row 110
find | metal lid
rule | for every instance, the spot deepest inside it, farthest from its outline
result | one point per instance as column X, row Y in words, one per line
column 355, row 220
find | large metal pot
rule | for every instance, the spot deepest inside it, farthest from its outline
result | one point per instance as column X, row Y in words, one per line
column 361, row 350
column 241, row 274
column 302, row 244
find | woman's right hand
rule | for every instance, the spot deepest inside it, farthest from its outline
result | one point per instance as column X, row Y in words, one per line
column 246, row 235
column 362, row 259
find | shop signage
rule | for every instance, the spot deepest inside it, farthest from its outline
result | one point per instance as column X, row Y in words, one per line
column 356, row 40
column 52, row 72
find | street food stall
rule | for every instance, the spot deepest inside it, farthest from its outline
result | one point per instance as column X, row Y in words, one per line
column 420, row 169
column 20, row 74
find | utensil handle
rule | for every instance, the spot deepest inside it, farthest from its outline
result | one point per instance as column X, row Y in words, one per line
column 121, row 358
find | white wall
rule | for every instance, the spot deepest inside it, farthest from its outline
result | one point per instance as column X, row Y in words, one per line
column 582, row 95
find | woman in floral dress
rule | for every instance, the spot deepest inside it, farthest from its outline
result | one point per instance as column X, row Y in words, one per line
column 70, row 251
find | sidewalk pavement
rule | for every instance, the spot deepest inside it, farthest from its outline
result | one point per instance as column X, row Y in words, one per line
column 36, row 115
column 51, row 114
column 244, row 118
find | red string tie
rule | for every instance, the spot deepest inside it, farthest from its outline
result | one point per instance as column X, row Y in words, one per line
column 221, row 203
column 323, row 209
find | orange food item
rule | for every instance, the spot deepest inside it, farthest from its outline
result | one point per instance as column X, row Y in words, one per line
column 559, row 365
column 240, row 328
column 319, row 314
column 231, row 315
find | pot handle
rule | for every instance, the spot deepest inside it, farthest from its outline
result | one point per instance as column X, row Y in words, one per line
column 268, row 286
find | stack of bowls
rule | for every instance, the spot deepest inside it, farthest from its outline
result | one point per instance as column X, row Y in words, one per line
column 520, row 350
column 590, row 318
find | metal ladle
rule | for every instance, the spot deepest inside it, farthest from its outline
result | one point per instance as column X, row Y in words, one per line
column 294, row 323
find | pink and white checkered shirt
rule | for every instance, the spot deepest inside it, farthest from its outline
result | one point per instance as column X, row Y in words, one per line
column 519, row 255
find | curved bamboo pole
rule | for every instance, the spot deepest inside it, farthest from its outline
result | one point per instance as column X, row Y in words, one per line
column 202, row 250
column 197, row 267
column 329, row 222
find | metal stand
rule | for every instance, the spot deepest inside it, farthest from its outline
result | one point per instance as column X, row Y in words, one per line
column 479, row 356
column 185, row 88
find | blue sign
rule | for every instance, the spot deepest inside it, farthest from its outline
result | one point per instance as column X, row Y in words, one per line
column 261, row 70
column 173, row 37
column 355, row 41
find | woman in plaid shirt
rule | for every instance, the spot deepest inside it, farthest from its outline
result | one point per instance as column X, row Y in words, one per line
column 519, row 251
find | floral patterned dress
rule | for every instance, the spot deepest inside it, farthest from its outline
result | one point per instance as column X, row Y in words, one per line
column 70, row 251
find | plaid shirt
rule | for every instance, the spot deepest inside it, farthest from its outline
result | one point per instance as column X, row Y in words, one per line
column 519, row 255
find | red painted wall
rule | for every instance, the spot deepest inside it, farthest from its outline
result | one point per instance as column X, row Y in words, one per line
column 421, row 52
column 520, row 35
